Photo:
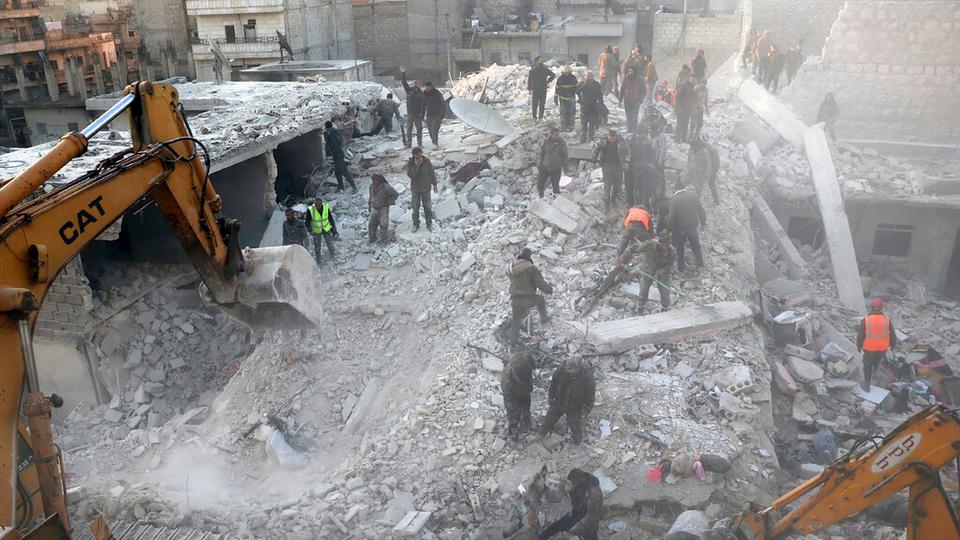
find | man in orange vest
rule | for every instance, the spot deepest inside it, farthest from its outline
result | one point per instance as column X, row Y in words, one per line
column 638, row 226
column 874, row 338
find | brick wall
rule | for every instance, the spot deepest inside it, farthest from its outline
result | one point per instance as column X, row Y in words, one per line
column 381, row 31
column 321, row 29
column 793, row 20
column 431, row 25
column 67, row 306
column 719, row 37
column 893, row 69
column 162, row 24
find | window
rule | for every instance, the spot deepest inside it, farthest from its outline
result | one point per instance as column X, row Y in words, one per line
column 42, row 129
column 250, row 30
column 892, row 240
column 524, row 58
column 584, row 59
column 131, row 33
column 496, row 58
column 73, row 126
column 231, row 33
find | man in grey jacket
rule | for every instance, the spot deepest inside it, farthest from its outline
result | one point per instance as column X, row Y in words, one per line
column 553, row 160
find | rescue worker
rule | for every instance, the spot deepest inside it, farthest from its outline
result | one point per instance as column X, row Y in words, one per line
column 641, row 155
column 658, row 259
column 699, row 66
column 684, row 220
column 611, row 154
column 650, row 75
column 566, row 97
column 516, row 384
column 572, row 393
column 525, row 281
column 761, row 51
column 553, row 159
column 774, row 69
column 294, row 231
column 794, row 59
column 382, row 197
column 537, row 81
column 436, row 108
column 591, row 101
column 632, row 93
column 422, row 179
column 663, row 93
column 828, row 113
column 875, row 336
column 586, row 508
column 416, row 108
column 320, row 223
column 386, row 109
column 637, row 227
column 606, row 67
column 334, row 145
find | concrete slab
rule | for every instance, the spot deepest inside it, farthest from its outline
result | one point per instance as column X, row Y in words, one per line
column 541, row 209
column 725, row 79
column 843, row 258
column 788, row 292
column 447, row 209
column 625, row 334
column 773, row 112
column 572, row 210
column 773, row 232
column 753, row 156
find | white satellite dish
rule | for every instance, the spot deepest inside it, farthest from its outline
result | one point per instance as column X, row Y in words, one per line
column 480, row 116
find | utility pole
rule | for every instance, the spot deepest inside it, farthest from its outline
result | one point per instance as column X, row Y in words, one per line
column 449, row 52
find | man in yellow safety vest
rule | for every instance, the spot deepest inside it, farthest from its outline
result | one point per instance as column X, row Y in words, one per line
column 322, row 227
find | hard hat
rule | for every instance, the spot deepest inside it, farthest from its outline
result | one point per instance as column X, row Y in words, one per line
column 877, row 303
column 568, row 69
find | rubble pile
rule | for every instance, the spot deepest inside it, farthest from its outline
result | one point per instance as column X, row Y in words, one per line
column 506, row 85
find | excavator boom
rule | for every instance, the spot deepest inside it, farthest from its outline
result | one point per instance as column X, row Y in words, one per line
column 40, row 232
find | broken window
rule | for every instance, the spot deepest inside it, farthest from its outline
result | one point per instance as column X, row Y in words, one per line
column 231, row 33
column 892, row 240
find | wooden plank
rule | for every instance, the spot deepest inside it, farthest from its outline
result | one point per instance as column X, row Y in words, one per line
column 843, row 258
column 624, row 334
column 773, row 112
column 773, row 232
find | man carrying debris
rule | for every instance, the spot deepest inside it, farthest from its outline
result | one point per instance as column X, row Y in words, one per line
column 553, row 160
column 319, row 220
column 516, row 384
column 586, row 508
column 611, row 154
column 422, row 179
column 382, row 197
column 387, row 108
column 537, row 81
column 294, row 231
column 525, row 281
column 632, row 93
column 416, row 108
column 436, row 109
column 334, row 145
column 658, row 259
column 566, row 97
column 684, row 221
column 591, row 101
column 875, row 336
column 573, row 392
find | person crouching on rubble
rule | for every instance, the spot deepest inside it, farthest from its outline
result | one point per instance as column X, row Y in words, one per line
column 573, row 392
column 516, row 384
column 586, row 508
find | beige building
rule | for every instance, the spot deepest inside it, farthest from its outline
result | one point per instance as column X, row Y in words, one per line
column 246, row 32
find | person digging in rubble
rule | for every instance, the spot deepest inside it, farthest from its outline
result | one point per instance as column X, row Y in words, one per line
column 684, row 220
column 320, row 223
column 334, row 145
column 573, row 392
column 382, row 197
column 436, row 108
column 591, row 100
column 525, row 281
column 294, row 231
column 632, row 93
column 611, row 154
column 537, row 81
column 422, row 179
column 416, row 108
column 658, row 259
column 699, row 66
column 566, row 97
column 553, row 160
column 637, row 228
column 828, row 114
column 516, row 384
column 875, row 336
column 586, row 508
column 386, row 109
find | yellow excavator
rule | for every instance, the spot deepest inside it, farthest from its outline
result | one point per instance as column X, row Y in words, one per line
column 42, row 230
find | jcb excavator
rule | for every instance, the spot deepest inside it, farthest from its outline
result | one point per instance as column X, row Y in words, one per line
column 910, row 457
column 40, row 232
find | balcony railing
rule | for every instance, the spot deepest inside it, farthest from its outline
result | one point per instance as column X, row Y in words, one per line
column 223, row 41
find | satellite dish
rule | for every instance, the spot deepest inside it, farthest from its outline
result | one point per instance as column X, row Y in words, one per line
column 480, row 116
column 284, row 44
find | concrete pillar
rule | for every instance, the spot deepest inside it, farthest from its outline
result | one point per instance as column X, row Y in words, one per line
column 270, row 194
column 81, row 81
column 22, row 83
column 98, row 76
column 53, row 89
column 68, row 69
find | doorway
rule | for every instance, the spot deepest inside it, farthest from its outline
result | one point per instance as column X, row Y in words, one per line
column 951, row 285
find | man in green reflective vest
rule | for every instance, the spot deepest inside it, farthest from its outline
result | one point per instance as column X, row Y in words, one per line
column 320, row 223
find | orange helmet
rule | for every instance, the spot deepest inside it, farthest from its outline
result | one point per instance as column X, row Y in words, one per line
column 877, row 303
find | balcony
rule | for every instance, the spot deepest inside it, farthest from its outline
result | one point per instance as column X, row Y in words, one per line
column 233, row 7
column 21, row 13
column 19, row 47
column 258, row 47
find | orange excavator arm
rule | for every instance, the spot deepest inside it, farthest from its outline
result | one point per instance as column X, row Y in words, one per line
column 910, row 458
column 41, row 232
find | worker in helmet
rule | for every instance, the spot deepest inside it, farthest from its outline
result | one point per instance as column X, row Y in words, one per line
column 566, row 97
column 874, row 338
column 638, row 226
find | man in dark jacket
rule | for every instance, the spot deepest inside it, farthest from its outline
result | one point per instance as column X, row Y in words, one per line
column 572, row 393
column 553, row 160
column 611, row 154
column 586, row 508
column 516, row 385
column 382, row 197
column 828, row 113
column 334, row 146
column 632, row 92
column 777, row 61
column 641, row 154
column 685, row 219
column 436, row 109
column 525, row 281
column 294, row 231
column 591, row 100
column 703, row 166
column 537, row 81
column 422, row 179
column 699, row 66
column 566, row 97
column 386, row 109
column 657, row 267
column 320, row 223
column 793, row 61
column 686, row 98
column 416, row 108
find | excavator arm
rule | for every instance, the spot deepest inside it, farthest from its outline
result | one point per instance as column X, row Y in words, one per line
column 41, row 232
column 910, row 458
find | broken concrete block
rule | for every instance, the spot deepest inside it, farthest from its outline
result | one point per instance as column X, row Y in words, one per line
column 750, row 131
column 805, row 371
column 773, row 112
column 572, row 210
column 467, row 260
column 783, row 380
column 495, row 201
column 773, row 232
column 800, row 352
column 411, row 524
column 492, row 364
column 689, row 525
column 753, row 157
column 447, row 209
column 112, row 415
column 552, row 215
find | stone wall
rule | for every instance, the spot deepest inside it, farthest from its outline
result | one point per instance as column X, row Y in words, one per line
column 67, row 305
column 164, row 29
column 382, row 33
column 432, row 26
column 793, row 20
column 321, row 29
column 894, row 70
column 675, row 42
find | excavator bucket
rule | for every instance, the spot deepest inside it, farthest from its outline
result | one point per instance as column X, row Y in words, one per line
column 279, row 289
